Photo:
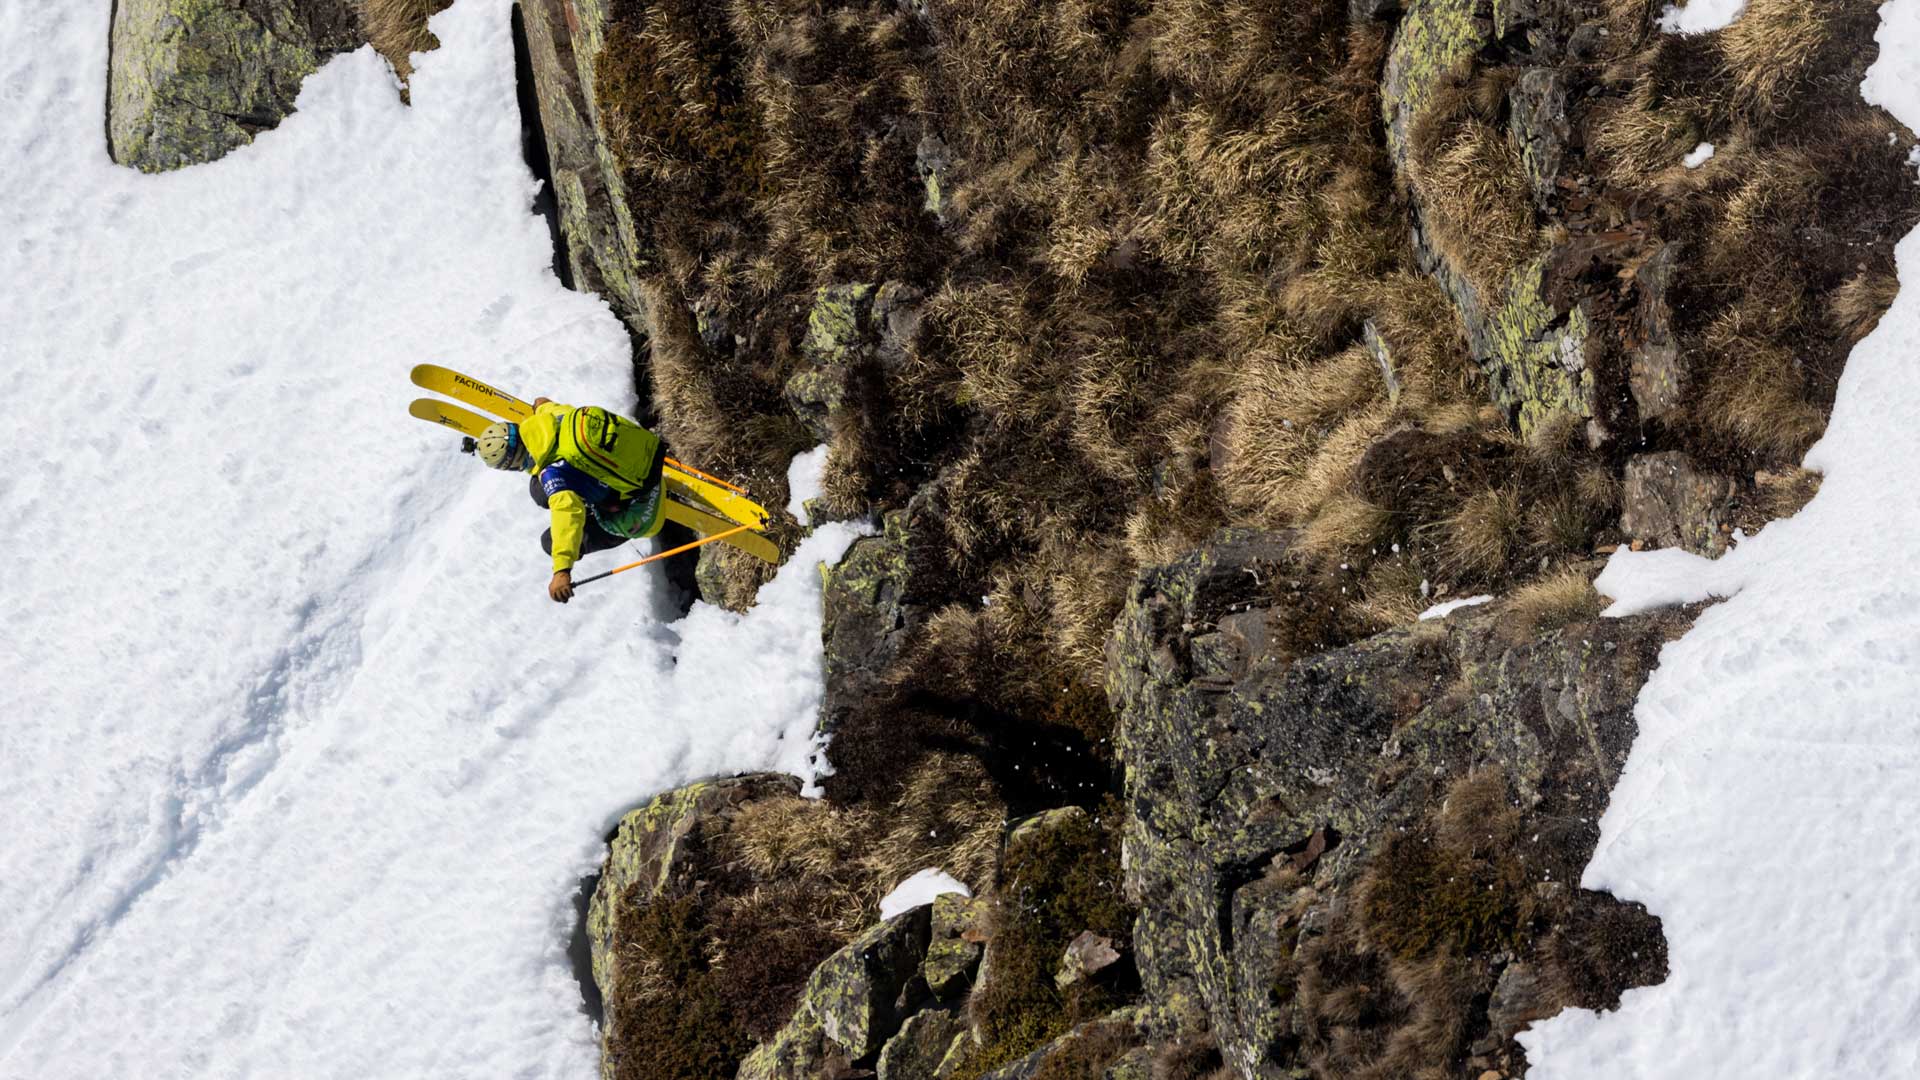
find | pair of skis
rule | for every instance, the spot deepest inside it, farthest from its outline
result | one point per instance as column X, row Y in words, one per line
column 706, row 504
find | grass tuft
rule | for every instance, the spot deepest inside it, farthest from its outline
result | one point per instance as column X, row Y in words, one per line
column 398, row 28
column 1564, row 597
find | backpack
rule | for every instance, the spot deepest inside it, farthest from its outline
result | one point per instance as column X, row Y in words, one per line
column 608, row 447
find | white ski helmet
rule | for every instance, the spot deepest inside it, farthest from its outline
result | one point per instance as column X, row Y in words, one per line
column 500, row 447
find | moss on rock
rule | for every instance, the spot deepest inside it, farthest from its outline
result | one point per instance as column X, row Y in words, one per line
column 707, row 921
column 853, row 1004
column 1058, row 878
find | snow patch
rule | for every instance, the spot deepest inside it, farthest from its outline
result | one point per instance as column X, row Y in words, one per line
column 1701, row 16
column 1441, row 611
column 803, row 481
column 751, row 684
column 1700, row 156
column 922, row 888
column 1642, row 581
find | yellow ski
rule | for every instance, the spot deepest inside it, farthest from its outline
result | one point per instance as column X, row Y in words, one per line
column 708, row 525
column 470, row 390
column 731, row 505
column 439, row 412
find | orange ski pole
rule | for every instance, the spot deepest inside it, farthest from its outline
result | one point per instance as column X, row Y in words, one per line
column 664, row 555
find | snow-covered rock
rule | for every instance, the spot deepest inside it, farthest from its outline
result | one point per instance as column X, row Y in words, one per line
column 922, row 888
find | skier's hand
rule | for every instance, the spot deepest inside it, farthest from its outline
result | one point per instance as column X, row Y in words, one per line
column 539, row 401
column 561, row 587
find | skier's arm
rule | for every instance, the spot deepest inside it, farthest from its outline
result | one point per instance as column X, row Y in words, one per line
column 569, row 513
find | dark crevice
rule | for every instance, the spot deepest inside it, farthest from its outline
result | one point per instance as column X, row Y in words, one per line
column 679, row 573
column 113, row 17
column 1230, row 879
column 533, row 147
column 580, row 951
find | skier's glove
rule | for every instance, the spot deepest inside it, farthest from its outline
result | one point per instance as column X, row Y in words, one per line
column 561, row 587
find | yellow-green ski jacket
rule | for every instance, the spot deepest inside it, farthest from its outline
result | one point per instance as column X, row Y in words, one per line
column 584, row 456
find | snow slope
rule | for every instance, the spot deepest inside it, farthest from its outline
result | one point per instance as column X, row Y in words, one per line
column 1770, row 811
column 298, row 765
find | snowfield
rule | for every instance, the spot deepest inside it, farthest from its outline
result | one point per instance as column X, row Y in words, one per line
column 1770, row 811
column 298, row 765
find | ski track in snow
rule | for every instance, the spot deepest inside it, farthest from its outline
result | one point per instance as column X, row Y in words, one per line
column 298, row 765
column 1769, row 812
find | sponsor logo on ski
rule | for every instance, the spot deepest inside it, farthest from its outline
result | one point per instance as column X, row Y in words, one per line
column 462, row 380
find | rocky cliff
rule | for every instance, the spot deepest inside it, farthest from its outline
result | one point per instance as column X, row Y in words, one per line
column 1185, row 353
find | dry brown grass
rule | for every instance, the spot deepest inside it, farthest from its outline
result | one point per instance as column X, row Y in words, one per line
column 1171, row 225
column 1563, row 597
column 1770, row 49
column 1482, row 535
column 1471, row 185
column 1858, row 304
column 1756, row 391
column 1789, row 227
column 692, row 418
column 398, row 28
column 946, row 817
column 1782, row 494
column 1157, row 304
column 1644, row 135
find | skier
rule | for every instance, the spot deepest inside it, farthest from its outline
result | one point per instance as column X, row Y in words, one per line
column 596, row 473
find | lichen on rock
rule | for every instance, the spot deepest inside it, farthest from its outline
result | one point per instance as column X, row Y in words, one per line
column 191, row 80
column 653, row 846
column 954, row 946
column 867, row 617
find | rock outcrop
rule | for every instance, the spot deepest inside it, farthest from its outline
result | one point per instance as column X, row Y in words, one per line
column 851, row 331
column 868, row 618
column 1167, row 286
column 886, row 1002
column 713, row 923
column 1540, row 143
column 853, row 1005
column 1341, row 859
column 603, row 253
column 1532, row 320
column 1668, row 502
column 657, row 852
column 191, row 80
column 1110, row 1048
